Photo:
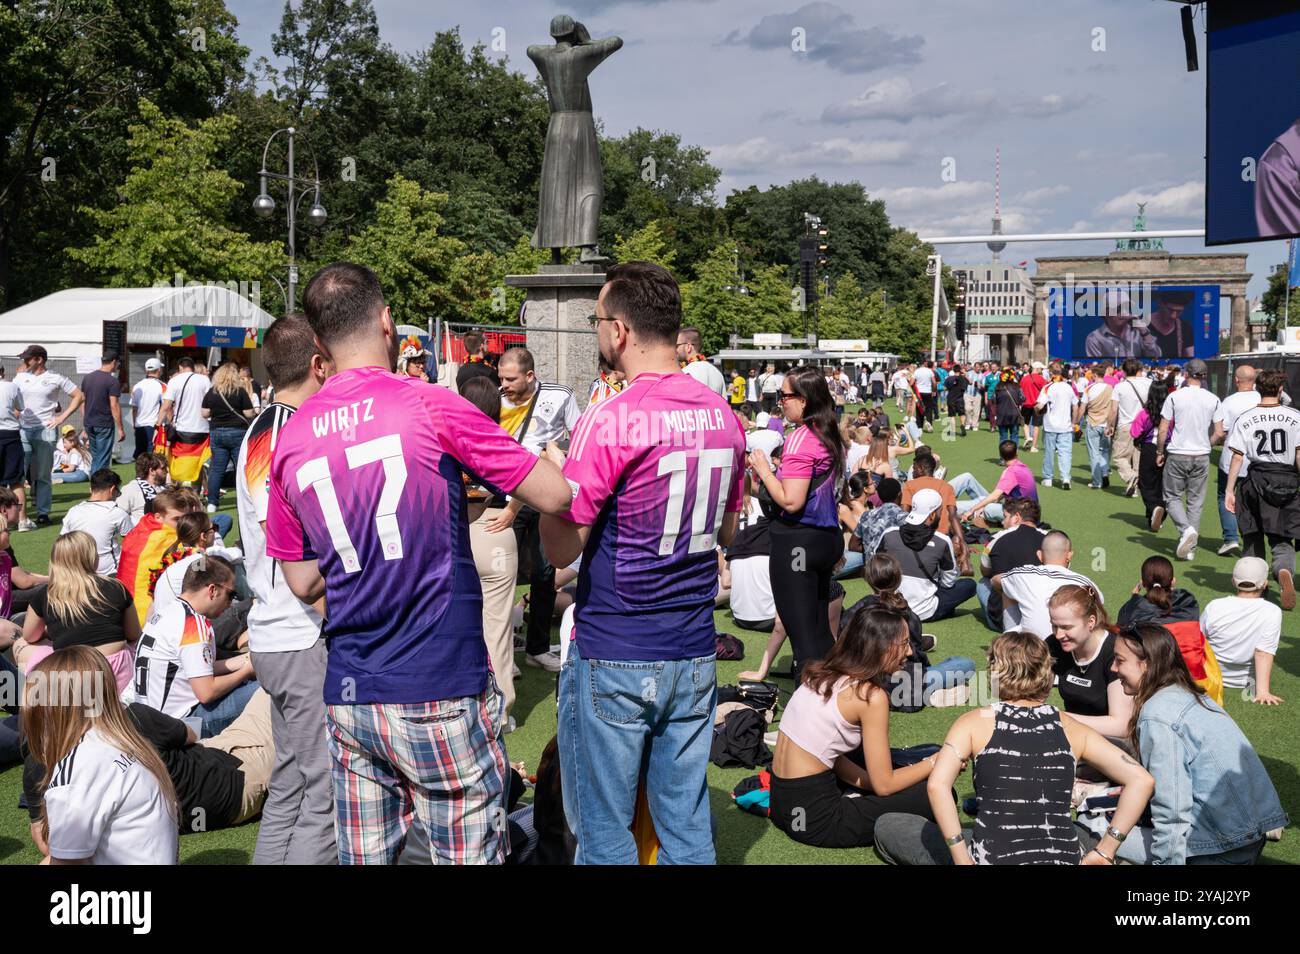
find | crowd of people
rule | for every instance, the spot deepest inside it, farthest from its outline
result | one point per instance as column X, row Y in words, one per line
column 347, row 671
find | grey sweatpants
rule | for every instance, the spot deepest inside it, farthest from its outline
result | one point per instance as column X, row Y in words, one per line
column 298, row 818
column 1188, row 475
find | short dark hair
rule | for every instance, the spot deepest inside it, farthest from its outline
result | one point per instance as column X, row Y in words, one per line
column 1131, row 367
column 1026, row 508
column 186, row 363
column 472, row 342
column 340, row 300
column 104, row 479
column 692, row 335
column 483, row 394
column 108, row 357
column 645, row 296
column 889, row 490
column 1271, row 382
column 7, row 498
column 519, row 356
column 207, row 571
column 923, row 466
column 147, row 462
column 1007, row 450
column 287, row 350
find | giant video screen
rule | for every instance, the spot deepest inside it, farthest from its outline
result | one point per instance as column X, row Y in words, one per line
column 1156, row 324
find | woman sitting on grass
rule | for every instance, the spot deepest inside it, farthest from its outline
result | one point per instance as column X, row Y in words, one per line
column 1025, row 755
column 1214, row 803
column 832, row 774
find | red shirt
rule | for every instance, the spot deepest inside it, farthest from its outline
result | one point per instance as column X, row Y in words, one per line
column 1031, row 385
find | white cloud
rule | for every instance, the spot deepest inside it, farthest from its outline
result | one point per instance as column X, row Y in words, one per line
column 833, row 38
column 914, row 198
column 895, row 99
column 1046, row 192
column 1180, row 201
column 1053, row 104
column 761, row 152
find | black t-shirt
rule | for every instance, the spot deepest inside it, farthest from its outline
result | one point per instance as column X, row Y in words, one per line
column 1015, row 547
column 98, row 387
column 209, row 783
column 1083, row 688
column 223, row 416
column 474, row 369
column 103, row 621
column 1169, row 342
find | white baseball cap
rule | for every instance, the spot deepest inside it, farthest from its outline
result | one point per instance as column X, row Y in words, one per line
column 924, row 503
column 153, row 364
column 762, row 419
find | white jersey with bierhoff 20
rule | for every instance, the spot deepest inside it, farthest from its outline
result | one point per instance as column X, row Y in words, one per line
column 1267, row 435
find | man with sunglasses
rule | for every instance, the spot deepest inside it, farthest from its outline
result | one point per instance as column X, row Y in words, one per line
column 176, row 667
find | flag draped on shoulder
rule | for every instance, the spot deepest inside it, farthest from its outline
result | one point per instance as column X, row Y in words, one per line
column 143, row 550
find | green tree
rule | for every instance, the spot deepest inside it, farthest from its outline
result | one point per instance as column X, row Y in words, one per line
column 171, row 216
column 843, row 313
column 715, row 304
column 1274, row 301
column 646, row 244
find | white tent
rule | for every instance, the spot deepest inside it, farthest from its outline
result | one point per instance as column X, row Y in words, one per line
column 70, row 323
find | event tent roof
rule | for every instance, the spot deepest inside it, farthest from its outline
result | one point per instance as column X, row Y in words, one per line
column 69, row 323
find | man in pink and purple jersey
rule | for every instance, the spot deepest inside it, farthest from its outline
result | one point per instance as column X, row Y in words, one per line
column 367, row 508
column 656, row 472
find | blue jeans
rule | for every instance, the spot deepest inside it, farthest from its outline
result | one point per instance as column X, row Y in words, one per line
column 10, row 753
column 1094, row 435
column 984, row 590
column 620, row 721
column 951, row 597
column 852, row 565
column 224, row 524
column 1058, row 448
column 71, row 477
column 967, row 484
column 953, row 671
column 218, row 716
column 38, row 447
column 1011, row 433
column 224, row 442
column 101, row 447
column 1227, row 521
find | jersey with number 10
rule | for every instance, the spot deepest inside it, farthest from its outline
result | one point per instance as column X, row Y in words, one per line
column 366, row 479
column 653, row 470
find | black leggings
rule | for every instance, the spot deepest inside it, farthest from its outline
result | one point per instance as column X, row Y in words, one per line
column 801, row 565
column 825, row 812
column 1151, row 479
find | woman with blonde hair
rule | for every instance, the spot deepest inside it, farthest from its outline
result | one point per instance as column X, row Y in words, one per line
column 80, row 608
column 106, row 796
column 228, row 408
column 1025, row 752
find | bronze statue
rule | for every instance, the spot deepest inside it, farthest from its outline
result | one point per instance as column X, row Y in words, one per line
column 568, row 208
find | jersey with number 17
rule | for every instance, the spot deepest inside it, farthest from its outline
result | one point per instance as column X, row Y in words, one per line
column 366, row 479
column 653, row 470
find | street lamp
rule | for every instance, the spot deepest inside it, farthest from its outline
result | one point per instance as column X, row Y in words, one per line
column 264, row 205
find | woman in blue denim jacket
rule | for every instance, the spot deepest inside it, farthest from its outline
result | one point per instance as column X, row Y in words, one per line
column 1214, row 802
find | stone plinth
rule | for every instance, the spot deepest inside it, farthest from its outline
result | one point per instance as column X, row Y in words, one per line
column 563, row 343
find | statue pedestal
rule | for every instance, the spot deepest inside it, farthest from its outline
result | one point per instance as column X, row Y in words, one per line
column 562, row 341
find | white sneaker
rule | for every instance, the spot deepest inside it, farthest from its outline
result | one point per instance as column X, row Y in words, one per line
column 548, row 661
column 1228, row 548
column 25, row 525
column 1187, row 543
column 510, row 726
column 212, row 508
column 1047, row 481
column 947, row 698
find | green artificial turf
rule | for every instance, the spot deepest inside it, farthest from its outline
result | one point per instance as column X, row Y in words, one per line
column 1110, row 542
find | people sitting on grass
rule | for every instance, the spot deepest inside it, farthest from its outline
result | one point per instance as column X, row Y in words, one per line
column 101, row 517
column 1025, row 754
column 107, row 796
column 923, row 477
column 1083, row 647
column 1026, row 589
column 71, row 463
column 1156, row 600
column 832, row 773
column 219, row 782
column 177, row 670
column 1243, row 632
column 931, row 584
column 1017, row 544
column 1214, row 802
column 986, row 506
column 150, row 477
column 873, row 524
column 853, row 506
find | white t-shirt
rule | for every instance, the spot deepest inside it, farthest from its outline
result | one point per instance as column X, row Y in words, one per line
column 278, row 621
column 1131, row 396
column 856, row 453
column 131, row 501
column 898, row 380
column 751, row 589
column 1265, row 435
column 104, row 805
column 73, row 460
column 186, row 391
column 1192, row 410
column 553, row 418
column 765, row 439
column 1230, row 408
column 171, row 582
column 1060, row 399
column 11, row 399
column 1237, row 626
column 41, row 395
column 146, row 399
column 707, row 373
column 772, row 382
column 924, row 379
column 177, row 645
column 1025, row 592
column 107, row 523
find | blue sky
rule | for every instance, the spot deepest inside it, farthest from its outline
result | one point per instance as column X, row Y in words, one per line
column 885, row 91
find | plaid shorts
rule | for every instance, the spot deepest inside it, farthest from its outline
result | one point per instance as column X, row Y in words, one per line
column 441, row 762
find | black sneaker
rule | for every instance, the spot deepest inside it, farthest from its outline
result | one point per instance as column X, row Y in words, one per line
column 42, row 520
column 1105, row 483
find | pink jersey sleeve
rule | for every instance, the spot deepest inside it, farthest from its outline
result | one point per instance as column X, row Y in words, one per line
column 804, row 456
column 1006, row 482
column 594, row 464
column 476, row 441
column 285, row 537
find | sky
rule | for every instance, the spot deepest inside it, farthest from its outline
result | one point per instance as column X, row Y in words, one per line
column 1089, row 102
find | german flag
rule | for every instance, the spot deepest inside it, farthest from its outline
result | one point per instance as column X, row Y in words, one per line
column 142, row 550
column 160, row 440
column 185, row 459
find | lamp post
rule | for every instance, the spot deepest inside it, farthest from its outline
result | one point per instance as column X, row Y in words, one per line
column 264, row 205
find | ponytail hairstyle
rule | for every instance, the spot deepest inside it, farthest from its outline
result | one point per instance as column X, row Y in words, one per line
column 859, row 483
column 1156, row 646
column 864, row 654
column 1158, row 581
column 884, row 575
column 818, row 410
column 1085, row 600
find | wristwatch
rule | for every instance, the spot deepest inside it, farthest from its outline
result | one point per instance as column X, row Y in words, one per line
column 955, row 840
column 1115, row 833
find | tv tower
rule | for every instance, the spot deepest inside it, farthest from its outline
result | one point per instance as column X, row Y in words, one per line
column 996, row 247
